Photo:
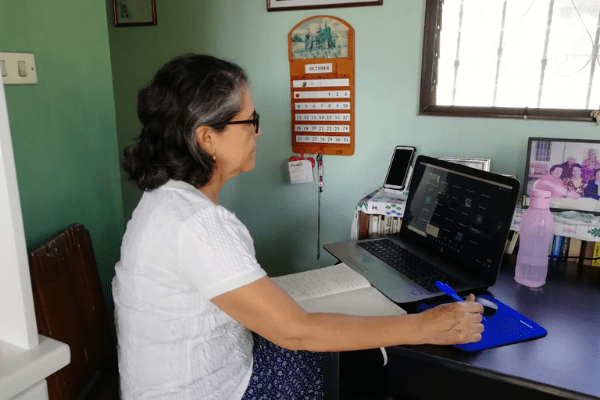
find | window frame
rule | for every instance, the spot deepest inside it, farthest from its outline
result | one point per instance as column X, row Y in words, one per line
column 427, row 106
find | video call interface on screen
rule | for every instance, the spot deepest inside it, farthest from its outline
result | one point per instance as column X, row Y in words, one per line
column 460, row 213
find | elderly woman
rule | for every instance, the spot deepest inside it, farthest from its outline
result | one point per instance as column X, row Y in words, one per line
column 575, row 183
column 567, row 167
column 188, row 289
column 589, row 165
column 554, row 184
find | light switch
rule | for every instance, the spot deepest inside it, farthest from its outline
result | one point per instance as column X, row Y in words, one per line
column 22, row 68
column 18, row 68
column 3, row 68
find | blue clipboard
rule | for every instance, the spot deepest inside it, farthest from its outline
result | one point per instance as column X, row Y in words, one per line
column 507, row 326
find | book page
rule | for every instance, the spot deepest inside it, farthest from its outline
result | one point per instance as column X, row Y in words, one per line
column 321, row 282
column 365, row 302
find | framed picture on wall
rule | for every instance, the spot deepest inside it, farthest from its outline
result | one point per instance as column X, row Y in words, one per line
column 286, row 5
column 134, row 12
column 568, row 168
column 483, row 164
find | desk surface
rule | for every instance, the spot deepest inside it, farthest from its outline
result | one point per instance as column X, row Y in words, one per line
column 564, row 363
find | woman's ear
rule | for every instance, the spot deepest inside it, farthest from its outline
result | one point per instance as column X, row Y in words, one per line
column 205, row 138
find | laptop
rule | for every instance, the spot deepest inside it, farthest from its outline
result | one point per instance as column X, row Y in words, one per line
column 455, row 226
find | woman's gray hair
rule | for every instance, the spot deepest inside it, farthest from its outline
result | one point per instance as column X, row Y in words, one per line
column 188, row 92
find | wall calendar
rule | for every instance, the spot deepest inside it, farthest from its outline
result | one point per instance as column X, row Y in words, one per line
column 321, row 53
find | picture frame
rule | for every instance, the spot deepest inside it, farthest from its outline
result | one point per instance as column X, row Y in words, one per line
column 577, row 161
column 289, row 5
column 484, row 164
column 134, row 12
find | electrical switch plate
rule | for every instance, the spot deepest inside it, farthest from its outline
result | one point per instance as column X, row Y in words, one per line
column 20, row 68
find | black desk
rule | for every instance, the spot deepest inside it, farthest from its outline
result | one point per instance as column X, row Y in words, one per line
column 564, row 364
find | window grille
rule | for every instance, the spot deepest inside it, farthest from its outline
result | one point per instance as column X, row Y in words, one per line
column 542, row 150
column 511, row 58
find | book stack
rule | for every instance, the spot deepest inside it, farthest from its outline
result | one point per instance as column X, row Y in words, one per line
column 560, row 247
column 384, row 224
column 575, row 250
column 379, row 213
column 590, row 253
column 373, row 225
column 564, row 248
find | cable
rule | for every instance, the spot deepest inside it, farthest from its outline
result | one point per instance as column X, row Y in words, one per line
column 320, row 161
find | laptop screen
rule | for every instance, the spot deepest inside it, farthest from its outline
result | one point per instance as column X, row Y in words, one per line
column 461, row 212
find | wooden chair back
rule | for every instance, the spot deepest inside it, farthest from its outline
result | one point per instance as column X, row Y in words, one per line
column 70, row 307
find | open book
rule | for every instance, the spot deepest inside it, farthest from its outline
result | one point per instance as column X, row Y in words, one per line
column 337, row 289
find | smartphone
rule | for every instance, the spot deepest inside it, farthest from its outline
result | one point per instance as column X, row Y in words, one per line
column 398, row 173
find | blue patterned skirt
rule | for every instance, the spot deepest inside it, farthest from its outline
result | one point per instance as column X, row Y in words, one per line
column 278, row 373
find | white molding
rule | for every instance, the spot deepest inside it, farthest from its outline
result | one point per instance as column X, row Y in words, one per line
column 17, row 314
column 39, row 391
column 22, row 371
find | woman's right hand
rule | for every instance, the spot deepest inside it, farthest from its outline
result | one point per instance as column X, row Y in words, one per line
column 453, row 323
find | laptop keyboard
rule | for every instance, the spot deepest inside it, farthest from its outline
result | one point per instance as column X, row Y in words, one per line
column 413, row 267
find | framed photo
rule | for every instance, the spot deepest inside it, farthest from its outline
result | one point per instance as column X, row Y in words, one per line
column 568, row 168
column 478, row 163
column 286, row 5
column 134, row 12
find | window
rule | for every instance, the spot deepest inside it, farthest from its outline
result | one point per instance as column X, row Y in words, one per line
column 543, row 150
column 511, row 58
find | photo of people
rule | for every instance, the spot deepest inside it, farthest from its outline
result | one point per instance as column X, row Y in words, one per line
column 568, row 169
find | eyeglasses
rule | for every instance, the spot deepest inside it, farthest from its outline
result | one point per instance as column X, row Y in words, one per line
column 253, row 121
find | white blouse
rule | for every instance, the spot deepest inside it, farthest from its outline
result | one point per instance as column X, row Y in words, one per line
column 179, row 251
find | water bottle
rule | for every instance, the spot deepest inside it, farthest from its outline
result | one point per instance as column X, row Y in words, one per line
column 536, row 233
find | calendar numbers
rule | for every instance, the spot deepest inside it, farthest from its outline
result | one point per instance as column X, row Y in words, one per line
column 322, row 128
column 322, row 106
column 322, row 94
column 323, row 139
column 323, row 117
column 312, row 83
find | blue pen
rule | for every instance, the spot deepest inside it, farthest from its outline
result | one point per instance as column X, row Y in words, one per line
column 451, row 292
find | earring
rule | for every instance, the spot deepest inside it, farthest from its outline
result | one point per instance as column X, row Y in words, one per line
column 214, row 157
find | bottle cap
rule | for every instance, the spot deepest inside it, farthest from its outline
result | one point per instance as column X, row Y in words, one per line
column 540, row 199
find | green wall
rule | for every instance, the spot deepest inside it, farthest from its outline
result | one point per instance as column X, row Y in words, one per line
column 63, row 129
column 282, row 217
